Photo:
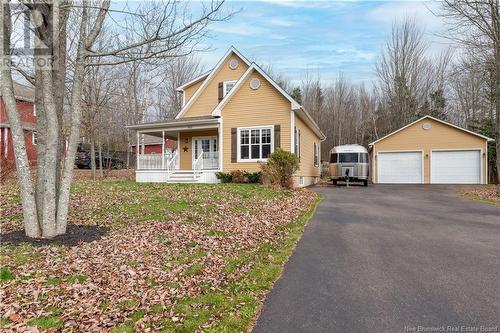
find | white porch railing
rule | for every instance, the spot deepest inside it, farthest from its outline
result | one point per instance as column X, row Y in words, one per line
column 211, row 160
column 198, row 165
column 152, row 161
column 172, row 164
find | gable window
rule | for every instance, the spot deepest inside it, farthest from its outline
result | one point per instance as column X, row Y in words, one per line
column 254, row 143
column 228, row 85
column 316, row 154
column 296, row 139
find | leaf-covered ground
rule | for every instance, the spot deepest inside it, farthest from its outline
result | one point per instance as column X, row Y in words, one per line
column 177, row 258
column 490, row 193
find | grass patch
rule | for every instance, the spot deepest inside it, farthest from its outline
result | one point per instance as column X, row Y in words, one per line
column 6, row 274
column 4, row 321
column 77, row 278
column 53, row 281
column 195, row 269
column 127, row 304
column 47, row 322
column 215, row 233
column 127, row 327
column 205, row 215
column 239, row 302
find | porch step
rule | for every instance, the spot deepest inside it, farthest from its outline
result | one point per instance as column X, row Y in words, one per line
column 183, row 176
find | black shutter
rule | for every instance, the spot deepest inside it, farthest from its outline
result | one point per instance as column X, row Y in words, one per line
column 234, row 145
column 277, row 136
column 221, row 91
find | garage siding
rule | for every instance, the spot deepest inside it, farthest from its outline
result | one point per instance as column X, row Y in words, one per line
column 439, row 137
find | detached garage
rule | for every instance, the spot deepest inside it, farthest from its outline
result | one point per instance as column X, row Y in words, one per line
column 430, row 151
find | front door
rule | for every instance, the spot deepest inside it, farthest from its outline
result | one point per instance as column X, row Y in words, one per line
column 209, row 146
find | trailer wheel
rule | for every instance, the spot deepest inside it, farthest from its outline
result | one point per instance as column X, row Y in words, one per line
column 365, row 182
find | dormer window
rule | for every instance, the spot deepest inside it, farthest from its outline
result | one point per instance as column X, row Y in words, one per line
column 228, row 85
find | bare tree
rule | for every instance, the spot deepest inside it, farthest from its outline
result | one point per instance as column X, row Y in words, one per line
column 475, row 24
column 402, row 70
column 157, row 30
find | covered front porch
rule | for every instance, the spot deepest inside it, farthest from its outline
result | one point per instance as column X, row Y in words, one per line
column 196, row 157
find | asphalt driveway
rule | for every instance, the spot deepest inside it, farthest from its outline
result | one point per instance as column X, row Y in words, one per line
column 391, row 258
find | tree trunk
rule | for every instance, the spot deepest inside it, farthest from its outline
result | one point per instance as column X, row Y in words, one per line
column 92, row 155
column 21, row 158
column 497, row 110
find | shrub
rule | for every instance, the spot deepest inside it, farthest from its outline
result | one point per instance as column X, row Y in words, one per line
column 238, row 176
column 253, row 177
column 280, row 168
column 224, row 177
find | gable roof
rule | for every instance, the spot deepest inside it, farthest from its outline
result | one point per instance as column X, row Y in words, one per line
column 296, row 107
column 239, row 83
column 435, row 119
column 23, row 92
column 193, row 81
column 209, row 78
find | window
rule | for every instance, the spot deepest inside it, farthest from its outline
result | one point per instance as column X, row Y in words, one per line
column 316, row 153
column 348, row 158
column 333, row 158
column 296, row 139
column 363, row 158
column 228, row 85
column 254, row 143
column 34, row 138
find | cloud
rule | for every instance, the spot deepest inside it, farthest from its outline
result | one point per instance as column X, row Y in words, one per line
column 280, row 22
column 299, row 4
column 239, row 28
column 421, row 11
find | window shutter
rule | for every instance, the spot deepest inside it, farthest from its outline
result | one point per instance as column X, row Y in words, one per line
column 221, row 91
column 234, row 145
column 277, row 136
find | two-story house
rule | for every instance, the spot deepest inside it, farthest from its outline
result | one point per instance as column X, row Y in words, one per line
column 232, row 117
column 25, row 102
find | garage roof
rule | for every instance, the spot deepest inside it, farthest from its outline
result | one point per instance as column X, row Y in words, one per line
column 438, row 120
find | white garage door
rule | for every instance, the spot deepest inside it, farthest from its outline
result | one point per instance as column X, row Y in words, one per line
column 400, row 167
column 456, row 167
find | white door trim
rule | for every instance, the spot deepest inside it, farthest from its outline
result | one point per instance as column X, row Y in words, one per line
column 481, row 164
column 421, row 151
column 210, row 137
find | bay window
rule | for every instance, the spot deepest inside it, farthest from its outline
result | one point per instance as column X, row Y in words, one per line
column 255, row 143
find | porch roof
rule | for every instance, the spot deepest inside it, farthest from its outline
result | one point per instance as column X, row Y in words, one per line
column 173, row 124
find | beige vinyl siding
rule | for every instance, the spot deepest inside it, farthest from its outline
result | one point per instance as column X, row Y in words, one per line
column 189, row 91
column 248, row 107
column 208, row 99
column 186, row 157
column 307, row 139
column 439, row 136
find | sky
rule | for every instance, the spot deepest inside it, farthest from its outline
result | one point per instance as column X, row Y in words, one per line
column 318, row 38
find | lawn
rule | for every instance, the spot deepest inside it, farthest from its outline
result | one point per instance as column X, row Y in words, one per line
column 176, row 258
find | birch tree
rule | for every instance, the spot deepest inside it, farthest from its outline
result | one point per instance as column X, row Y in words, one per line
column 157, row 30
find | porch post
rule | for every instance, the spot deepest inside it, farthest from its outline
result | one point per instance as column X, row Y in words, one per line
column 219, row 144
column 137, row 151
column 163, row 149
